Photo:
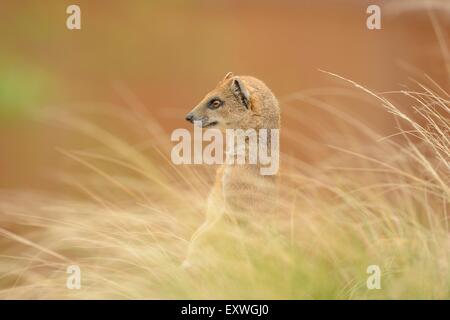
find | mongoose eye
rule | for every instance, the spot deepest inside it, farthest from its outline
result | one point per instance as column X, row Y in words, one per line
column 215, row 103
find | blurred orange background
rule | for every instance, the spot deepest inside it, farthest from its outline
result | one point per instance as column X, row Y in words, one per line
column 168, row 54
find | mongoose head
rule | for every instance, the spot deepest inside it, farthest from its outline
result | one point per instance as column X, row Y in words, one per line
column 237, row 102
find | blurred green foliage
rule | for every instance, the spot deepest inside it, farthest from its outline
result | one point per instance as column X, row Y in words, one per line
column 23, row 89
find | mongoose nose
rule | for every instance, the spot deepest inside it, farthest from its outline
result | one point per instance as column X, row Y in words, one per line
column 190, row 117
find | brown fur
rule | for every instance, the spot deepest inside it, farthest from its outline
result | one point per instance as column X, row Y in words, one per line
column 246, row 103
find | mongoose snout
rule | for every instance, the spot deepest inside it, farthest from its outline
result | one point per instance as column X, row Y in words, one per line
column 190, row 117
column 205, row 123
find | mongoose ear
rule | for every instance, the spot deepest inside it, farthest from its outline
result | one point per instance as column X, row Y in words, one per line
column 240, row 91
column 228, row 76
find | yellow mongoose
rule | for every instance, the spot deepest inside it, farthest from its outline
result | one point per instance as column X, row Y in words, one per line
column 238, row 102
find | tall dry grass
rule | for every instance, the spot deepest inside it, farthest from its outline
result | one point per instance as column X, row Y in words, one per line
column 377, row 201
